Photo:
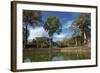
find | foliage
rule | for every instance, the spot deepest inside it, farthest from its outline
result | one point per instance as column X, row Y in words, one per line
column 81, row 27
column 52, row 25
column 30, row 18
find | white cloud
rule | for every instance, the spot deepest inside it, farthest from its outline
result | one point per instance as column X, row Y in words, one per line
column 58, row 37
column 40, row 32
column 36, row 32
column 67, row 24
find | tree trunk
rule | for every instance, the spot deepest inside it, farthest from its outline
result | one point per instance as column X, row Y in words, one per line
column 37, row 43
column 26, row 34
column 80, row 37
column 85, row 37
column 76, row 41
column 51, row 42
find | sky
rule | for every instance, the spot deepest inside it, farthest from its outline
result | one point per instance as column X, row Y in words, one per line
column 66, row 19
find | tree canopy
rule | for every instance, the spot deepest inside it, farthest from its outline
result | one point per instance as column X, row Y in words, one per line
column 31, row 18
column 52, row 25
column 81, row 26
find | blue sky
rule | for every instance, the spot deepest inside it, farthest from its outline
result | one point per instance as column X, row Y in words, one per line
column 66, row 19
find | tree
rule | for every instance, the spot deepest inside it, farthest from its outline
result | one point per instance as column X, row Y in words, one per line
column 42, row 42
column 25, row 35
column 52, row 25
column 82, row 23
column 30, row 18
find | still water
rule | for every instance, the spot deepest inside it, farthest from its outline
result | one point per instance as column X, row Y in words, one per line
column 57, row 58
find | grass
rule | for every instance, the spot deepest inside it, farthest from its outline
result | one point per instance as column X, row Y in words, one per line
column 68, row 55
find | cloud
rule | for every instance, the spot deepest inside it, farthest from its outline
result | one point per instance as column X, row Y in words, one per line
column 40, row 32
column 67, row 24
column 36, row 32
column 66, row 32
column 58, row 37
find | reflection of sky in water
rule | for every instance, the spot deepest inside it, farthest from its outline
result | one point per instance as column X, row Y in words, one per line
column 66, row 19
column 27, row 60
column 57, row 58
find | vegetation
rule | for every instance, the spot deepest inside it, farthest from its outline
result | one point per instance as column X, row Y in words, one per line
column 30, row 18
column 52, row 25
column 81, row 29
column 39, row 50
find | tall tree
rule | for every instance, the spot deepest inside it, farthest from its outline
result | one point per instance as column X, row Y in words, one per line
column 52, row 25
column 30, row 18
column 83, row 22
column 25, row 35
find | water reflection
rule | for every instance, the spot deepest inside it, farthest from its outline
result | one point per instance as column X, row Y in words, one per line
column 57, row 58
column 27, row 60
